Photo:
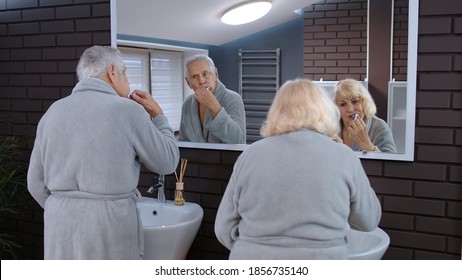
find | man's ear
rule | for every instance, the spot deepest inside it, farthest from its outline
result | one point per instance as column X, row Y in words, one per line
column 111, row 73
column 216, row 73
column 187, row 81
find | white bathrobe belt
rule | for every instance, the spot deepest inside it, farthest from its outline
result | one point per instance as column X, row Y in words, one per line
column 135, row 195
column 79, row 194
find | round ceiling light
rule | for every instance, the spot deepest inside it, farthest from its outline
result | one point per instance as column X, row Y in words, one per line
column 246, row 12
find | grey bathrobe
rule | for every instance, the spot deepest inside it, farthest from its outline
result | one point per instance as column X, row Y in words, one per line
column 293, row 196
column 84, row 170
column 380, row 135
column 227, row 127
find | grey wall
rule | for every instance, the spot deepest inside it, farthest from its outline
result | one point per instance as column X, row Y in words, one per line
column 288, row 37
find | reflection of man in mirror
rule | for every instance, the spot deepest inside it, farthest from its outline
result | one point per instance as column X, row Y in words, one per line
column 213, row 114
column 362, row 130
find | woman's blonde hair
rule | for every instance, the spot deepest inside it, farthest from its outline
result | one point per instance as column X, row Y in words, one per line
column 349, row 89
column 298, row 104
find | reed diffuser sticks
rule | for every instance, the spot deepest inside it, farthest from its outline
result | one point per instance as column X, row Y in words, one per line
column 183, row 164
column 179, row 200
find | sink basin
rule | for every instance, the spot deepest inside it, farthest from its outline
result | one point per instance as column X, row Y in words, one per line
column 367, row 245
column 169, row 230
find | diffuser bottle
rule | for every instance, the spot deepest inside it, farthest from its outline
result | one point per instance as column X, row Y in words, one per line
column 179, row 200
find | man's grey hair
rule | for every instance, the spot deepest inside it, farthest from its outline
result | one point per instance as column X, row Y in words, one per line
column 95, row 60
column 200, row 57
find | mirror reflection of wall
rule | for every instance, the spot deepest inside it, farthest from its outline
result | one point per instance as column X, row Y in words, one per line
column 397, row 87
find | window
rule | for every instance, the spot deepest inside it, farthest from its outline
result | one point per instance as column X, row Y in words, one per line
column 161, row 73
column 137, row 62
column 167, row 83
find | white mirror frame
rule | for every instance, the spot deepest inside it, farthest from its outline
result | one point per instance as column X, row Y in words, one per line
column 411, row 89
column 408, row 154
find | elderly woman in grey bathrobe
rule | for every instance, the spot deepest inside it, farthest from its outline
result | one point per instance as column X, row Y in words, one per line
column 85, row 164
column 294, row 194
column 361, row 129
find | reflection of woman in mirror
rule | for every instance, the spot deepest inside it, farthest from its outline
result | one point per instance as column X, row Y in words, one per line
column 361, row 129
column 287, row 198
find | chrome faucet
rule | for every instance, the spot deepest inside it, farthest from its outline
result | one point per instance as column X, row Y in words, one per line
column 160, row 189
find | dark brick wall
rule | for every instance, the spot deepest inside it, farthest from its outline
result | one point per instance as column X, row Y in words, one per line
column 400, row 33
column 335, row 40
column 422, row 200
column 40, row 44
column 434, row 205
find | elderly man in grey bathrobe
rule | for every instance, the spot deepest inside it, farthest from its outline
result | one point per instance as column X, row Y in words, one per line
column 213, row 114
column 85, row 164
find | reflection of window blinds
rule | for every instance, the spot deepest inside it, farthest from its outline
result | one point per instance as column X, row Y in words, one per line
column 167, row 84
column 161, row 75
column 137, row 62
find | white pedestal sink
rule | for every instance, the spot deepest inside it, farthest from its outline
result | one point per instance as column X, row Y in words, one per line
column 367, row 245
column 169, row 230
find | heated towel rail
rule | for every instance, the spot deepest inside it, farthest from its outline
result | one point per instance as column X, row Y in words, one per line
column 259, row 80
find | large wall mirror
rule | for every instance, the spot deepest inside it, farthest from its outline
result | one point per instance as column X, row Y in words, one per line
column 127, row 19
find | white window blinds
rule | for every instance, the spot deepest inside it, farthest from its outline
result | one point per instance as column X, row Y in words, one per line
column 160, row 73
column 137, row 62
column 167, row 83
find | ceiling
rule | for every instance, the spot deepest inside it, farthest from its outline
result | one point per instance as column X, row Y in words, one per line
column 196, row 21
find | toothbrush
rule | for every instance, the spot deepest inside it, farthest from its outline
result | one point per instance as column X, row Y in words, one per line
column 355, row 116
